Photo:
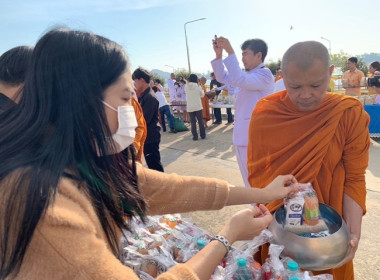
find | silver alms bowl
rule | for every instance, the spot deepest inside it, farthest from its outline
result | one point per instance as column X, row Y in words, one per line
column 314, row 253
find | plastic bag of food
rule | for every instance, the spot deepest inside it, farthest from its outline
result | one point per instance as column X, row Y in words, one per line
column 302, row 211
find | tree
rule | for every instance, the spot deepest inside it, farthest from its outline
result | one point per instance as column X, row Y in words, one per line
column 339, row 60
column 182, row 72
column 155, row 76
column 273, row 66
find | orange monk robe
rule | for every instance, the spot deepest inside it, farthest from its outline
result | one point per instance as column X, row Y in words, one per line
column 278, row 77
column 328, row 146
column 140, row 130
column 205, row 105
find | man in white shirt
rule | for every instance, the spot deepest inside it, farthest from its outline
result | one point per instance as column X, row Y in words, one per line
column 171, row 87
column 250, row 85
column 164, row 109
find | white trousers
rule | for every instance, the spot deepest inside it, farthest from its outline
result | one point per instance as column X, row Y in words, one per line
column 241, row 156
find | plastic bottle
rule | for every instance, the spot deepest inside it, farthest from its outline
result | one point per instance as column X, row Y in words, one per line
column 201, row 243
column 242, row 272
column 196, row 247
column 266, row 271
column 293, row 270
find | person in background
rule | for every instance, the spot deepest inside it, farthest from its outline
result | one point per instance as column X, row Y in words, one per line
column 377, row 89
column 149, row 103
column 65, row 189
column 205, row 102
column 13, row 66
column 181, row 94
column 157, row 83
column 214, row 84
column 373, row 67
column 171, row 86
column 141, row 131
column 252, row 84
column 320, row 137
column 228, row 90
column 352, row 77
column 278, row 74
column 194, row 93
column 278, row 81
column 164, row 109
column 331, row 86
column 178, row 98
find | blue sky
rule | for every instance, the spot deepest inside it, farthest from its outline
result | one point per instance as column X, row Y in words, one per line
column 152, row 32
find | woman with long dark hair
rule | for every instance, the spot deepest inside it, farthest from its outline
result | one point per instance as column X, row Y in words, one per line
column 64, row 187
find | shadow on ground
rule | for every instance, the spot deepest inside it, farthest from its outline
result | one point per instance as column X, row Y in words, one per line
column 176, row 145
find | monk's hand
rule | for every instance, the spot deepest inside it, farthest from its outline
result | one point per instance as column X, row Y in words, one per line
column 354, row 243
column 280, row 187
column 247, row 223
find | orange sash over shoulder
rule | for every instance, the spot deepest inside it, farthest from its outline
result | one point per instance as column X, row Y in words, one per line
column 141, row 132
column 328, row 147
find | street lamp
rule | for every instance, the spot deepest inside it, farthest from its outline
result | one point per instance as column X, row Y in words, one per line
column 323, row 38
column 187, row 47
column 170, row 67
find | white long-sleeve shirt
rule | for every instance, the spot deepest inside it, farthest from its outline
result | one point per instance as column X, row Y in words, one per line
column 172, row 89
column 250, row 87
column 161, row 99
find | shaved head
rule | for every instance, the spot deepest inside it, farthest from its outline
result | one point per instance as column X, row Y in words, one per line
column 303, row 54
column 306, row 72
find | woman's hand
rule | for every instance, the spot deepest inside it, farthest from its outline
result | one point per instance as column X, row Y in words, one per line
column 280, row 187
column 246, row 224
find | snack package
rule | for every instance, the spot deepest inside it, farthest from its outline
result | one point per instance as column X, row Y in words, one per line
column 302, row 211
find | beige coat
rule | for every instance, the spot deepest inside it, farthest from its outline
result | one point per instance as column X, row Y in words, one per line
column 69, row 242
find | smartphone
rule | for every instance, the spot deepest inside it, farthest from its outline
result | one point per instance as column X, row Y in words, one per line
column 215, row 37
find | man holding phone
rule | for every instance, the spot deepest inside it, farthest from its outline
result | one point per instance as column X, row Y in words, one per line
column 250, row 85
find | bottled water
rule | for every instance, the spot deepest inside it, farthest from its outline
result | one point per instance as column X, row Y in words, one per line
column 243, row 272
column 293, row 270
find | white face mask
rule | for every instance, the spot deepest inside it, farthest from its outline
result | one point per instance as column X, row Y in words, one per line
column 126, row 132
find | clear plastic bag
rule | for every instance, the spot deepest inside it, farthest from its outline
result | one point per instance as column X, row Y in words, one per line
column 302, row 211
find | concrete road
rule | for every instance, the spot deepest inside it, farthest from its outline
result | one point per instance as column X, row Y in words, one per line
column 215, row 157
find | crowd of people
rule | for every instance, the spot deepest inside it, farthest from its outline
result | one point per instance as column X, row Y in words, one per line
column 71, row 151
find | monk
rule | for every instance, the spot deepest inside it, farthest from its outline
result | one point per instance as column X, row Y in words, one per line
column 319, row 137
column 140, row 130
column 278, row 74
column 205, row 103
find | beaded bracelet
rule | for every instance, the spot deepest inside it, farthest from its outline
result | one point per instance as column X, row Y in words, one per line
column 224, row 241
